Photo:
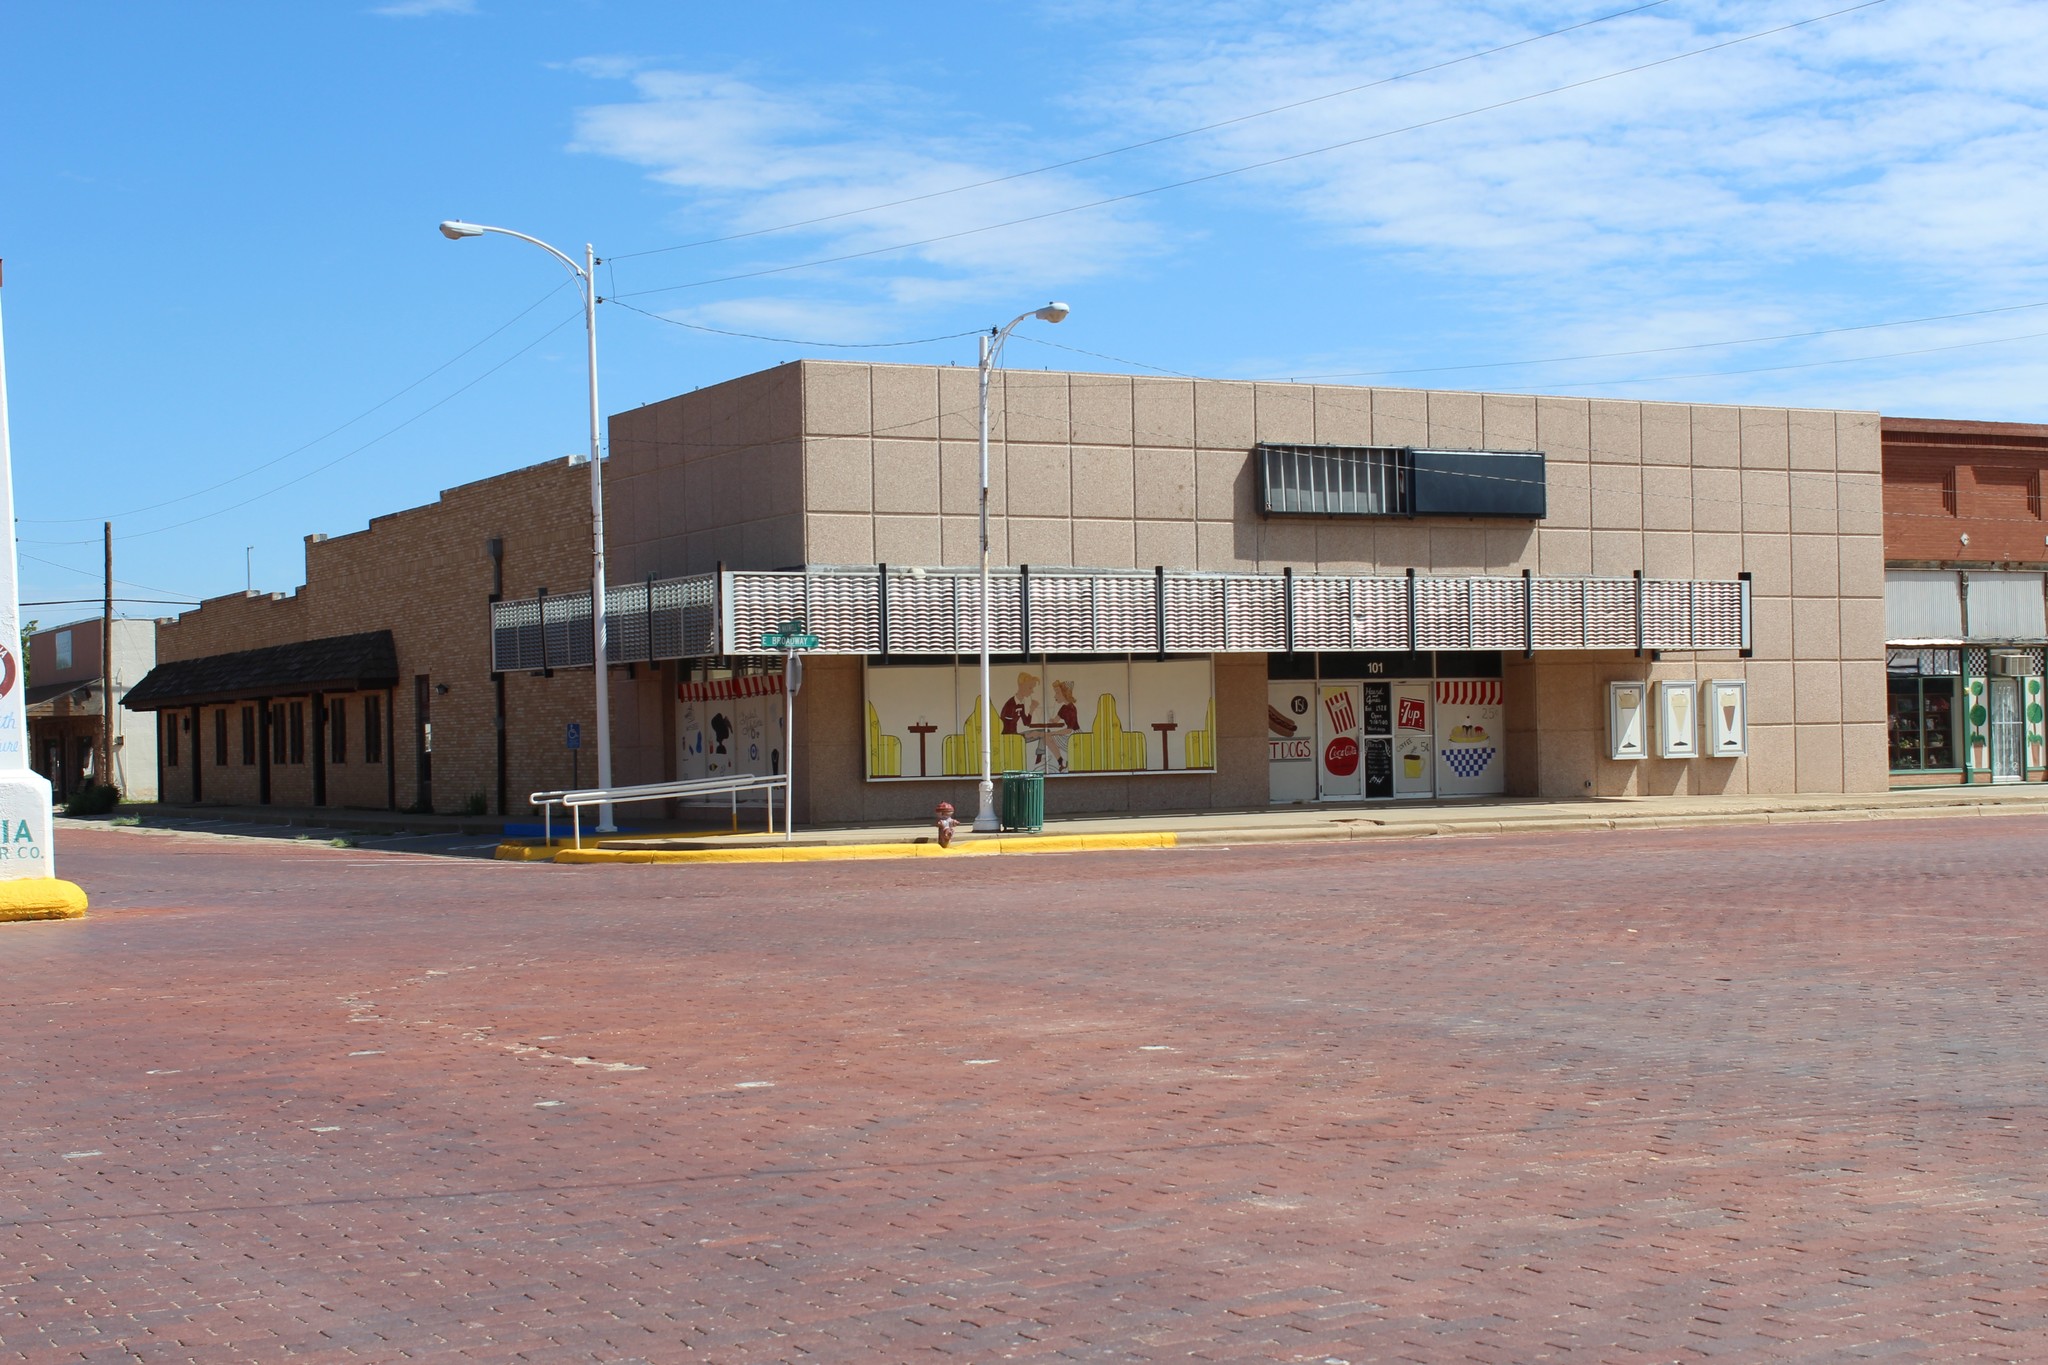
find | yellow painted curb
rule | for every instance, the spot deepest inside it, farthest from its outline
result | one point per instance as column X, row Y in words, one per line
column 527, row 853
column 41, row 898
column 823, row 853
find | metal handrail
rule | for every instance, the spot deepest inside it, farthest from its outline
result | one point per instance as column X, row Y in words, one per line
column 575, row 800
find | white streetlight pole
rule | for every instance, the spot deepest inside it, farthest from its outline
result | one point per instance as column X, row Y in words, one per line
column 991, row 349
column 586, row 279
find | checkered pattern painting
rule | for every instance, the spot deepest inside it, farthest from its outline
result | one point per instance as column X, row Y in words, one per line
column 1468, row 763
column 1470, row 721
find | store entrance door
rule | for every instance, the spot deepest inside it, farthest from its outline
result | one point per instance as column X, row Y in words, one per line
column 1340, row 762
column 2008, row 736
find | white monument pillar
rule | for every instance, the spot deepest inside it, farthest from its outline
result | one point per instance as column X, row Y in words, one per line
column 29, row 888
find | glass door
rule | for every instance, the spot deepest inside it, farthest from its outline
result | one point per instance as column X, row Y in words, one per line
column 1340, row 769
column 2008, row 735
column 1414, row 741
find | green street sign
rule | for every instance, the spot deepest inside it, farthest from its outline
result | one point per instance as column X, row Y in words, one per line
column 791, row 627
column 787, row 640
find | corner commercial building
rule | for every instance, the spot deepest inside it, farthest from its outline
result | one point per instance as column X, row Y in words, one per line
column 1213, row 594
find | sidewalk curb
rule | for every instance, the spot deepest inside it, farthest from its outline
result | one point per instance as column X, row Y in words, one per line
column 823, row 853
column 1363, row 829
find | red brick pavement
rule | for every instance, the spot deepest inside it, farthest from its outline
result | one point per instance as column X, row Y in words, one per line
column 1758, row 1094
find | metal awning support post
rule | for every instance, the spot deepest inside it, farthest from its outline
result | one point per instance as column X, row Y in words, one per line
column 1411, row 611
column 1159, row 607
column 544, row 670
column 1744, row 580
column 1639, row 613
column 1528, row 613
column 882, row 606
column 1287, row 605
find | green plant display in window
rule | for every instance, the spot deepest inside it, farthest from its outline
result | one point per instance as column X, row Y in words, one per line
column 2037, row 741
column 1975, row 714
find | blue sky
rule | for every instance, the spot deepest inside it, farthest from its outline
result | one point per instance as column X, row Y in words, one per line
column 230, row 322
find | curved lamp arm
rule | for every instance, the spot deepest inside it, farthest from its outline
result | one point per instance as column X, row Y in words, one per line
column 455, row 230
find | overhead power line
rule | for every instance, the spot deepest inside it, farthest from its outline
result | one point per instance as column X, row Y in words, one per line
column 83, row 573
column 1256, row 165
column 345, row 455
column 300, row 449
column 1143, row 144
column 132, row 601
column 1035, row 340
column 791, row 341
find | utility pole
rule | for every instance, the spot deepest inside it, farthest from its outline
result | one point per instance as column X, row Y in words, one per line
column 105, row 765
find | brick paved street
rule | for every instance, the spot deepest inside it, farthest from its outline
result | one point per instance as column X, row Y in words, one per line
column 1738, row 1094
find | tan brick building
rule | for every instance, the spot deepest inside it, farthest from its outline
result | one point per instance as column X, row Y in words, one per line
column 370, row 687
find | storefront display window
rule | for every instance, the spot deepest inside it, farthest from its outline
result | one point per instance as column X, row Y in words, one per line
column 1922, row 723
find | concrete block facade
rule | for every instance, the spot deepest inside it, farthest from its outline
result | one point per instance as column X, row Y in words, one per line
column 855, row 464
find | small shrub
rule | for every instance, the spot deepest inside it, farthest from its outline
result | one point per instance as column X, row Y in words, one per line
column 94, row 799
column 341, row 843
column 476, row 805
column 125, row 820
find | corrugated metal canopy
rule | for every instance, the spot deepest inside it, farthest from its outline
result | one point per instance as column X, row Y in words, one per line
column 1922, row 604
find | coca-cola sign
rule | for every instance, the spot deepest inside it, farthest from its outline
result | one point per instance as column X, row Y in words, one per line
column 1340, row 758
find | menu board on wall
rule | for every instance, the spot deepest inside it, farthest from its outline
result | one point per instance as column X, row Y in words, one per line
column 1377, row 711
column 1379, row 768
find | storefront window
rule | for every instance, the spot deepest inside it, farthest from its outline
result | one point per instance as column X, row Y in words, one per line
column 1922, row 722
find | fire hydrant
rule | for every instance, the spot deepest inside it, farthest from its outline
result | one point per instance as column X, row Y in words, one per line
column 946, row 823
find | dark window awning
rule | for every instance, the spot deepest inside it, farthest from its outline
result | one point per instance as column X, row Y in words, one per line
column 84, row 687
column 339, row 663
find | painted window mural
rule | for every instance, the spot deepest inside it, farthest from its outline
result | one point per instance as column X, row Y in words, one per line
column 1064, row 719
column 728, row 726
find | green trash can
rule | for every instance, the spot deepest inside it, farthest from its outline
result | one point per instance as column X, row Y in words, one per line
column 1023, row 802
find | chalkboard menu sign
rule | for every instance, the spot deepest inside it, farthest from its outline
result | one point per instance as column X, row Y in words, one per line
column 1379, row 710
column 1379, row 768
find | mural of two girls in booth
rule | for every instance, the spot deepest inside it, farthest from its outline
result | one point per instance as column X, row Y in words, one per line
column 1061, row 719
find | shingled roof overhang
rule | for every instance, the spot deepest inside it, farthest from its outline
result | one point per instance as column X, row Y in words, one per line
column 339, row 663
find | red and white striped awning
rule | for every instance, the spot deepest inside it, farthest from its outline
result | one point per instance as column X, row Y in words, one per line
column 1483, row 692
column 726, row 689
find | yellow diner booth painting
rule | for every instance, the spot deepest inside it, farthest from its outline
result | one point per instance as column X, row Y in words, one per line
column 1074, row 717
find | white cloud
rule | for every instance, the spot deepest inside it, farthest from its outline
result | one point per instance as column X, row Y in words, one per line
column 742, row 157
column 419, row 9
column 1881, row 164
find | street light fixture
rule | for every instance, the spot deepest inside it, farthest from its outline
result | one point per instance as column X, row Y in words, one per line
column 991, row 347
column 586, row 278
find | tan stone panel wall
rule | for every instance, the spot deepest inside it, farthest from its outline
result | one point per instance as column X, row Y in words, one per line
column 1127, row 473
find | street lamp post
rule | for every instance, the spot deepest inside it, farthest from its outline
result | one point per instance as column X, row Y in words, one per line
column 586, row 278
column 991, row 349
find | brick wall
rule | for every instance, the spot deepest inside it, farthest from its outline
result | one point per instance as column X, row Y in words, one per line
column 1946, row 480
column 424, row 574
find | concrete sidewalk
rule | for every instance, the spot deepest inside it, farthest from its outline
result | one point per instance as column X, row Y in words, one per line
column 1184, row 829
